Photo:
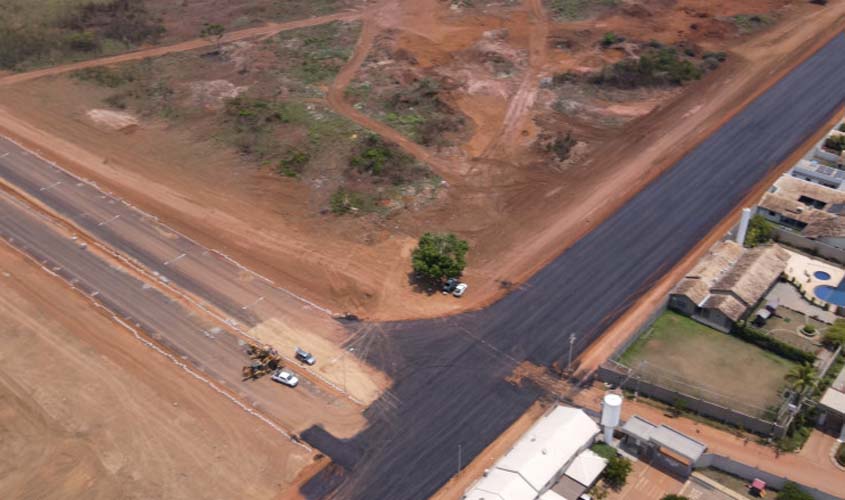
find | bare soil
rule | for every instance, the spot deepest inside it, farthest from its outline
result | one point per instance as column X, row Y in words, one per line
column 517, row 205
column 89, row 412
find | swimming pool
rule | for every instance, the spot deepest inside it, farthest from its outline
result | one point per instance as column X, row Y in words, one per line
column 830, row 294
column 821, row 275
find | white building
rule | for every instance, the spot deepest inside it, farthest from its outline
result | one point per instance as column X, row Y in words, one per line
column 550, row 462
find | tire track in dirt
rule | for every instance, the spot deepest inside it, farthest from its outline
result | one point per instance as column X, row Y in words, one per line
column 269, row 29
column 522, row 102
column 337, row 102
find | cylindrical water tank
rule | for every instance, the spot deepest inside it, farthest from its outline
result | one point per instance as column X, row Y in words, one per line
column 611, row 411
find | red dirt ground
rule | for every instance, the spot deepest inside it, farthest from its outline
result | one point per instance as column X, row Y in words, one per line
column 517, row 211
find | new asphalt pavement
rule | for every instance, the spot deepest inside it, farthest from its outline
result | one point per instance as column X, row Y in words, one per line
column 450, row 389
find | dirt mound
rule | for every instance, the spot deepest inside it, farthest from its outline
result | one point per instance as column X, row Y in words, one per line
column 113, row 120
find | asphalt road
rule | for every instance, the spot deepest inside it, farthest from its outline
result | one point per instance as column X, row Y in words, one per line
column 450, row 391
column 449, row 373
column 211, row 351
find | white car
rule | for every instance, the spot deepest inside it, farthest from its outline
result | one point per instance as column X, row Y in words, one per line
column 285, row 377
column 460, row 289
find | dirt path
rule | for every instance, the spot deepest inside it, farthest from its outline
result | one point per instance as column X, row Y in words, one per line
column 338, row 103
column 265, row 30
column 521, row 103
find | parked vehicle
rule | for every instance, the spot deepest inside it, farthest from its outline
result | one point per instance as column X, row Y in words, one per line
column 285, row 377
column 450, row 286
column 460, row 290
column 305, row 356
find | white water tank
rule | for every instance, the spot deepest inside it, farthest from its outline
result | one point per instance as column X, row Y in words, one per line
column 611, row 415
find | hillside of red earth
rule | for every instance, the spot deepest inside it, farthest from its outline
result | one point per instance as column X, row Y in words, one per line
column 319, row 155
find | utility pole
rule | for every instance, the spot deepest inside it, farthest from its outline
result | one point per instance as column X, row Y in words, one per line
column 459, row 459
column 571, row 344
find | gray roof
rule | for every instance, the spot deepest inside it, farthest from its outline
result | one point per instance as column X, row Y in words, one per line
column 666, row 437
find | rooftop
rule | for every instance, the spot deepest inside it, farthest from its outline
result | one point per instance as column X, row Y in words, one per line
column 666, row 437
column 819, row 207
column 696, row 284
column 753, row 273
column 538, row 457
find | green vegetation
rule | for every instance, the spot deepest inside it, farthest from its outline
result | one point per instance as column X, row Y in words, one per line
column 655, row 67
column 381, row 160
column 674, row 497
column 345, row 202
column 106, row 76
column 835, row 142
column 137, row 84
column 439, row 256
column 418, row 112
column 792, row 491
column 771, row 344
column 841, row 127
column 616, row 473
column 571, row 10
column 253, row 124
column 37, row 33
column 604, row 450
column 611, row 38
column 809, row 329
column 760, row 231
column 840, row 454
column 213, row 32
column 315, row 54
column 747, row 23
column 802, row 378
column 561, row 146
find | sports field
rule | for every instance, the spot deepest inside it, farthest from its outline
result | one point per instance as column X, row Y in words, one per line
column 681, row 354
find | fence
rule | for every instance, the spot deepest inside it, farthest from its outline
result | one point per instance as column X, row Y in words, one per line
column 622, row 376
column 750, row 473
column 812, row 246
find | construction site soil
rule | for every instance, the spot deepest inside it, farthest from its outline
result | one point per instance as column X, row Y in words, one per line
column 90, row 412
column 518, row 206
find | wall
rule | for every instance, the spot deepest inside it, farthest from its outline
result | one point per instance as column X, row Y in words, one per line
column 814, row 247
column 750, row 473
column 618, row 375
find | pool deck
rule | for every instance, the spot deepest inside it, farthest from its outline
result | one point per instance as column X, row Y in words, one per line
column 801, row 271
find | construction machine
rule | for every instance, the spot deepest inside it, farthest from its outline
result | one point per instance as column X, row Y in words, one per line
column 265, row 360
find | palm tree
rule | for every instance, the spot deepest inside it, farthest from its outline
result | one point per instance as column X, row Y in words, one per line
column 802, row 378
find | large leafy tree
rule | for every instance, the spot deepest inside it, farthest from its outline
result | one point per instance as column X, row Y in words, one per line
column 440, row 255
column 759, row 231
column 616, row 473
column 802, row 378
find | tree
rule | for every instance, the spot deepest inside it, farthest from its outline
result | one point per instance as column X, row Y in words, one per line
column 213, row 32
column 802, row 378
column 835, row 335
column 616, row 472
column 759, row 231
column 791, row 491
column 440, row 255
column 599, row 492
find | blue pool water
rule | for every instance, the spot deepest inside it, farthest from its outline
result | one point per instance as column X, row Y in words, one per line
column 830, row 294
column 821, row 275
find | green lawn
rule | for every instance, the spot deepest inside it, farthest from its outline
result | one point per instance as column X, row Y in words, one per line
column 684, row 355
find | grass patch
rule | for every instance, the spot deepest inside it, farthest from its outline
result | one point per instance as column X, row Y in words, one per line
column 313, row 55
column 39, row 33
column 419, row 112
column 344, row 201
column 681, row 354
column 604, row 450
column 749, row 23
column 572, row 10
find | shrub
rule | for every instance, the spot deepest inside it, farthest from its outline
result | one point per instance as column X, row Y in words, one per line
column 759, row 231
column 104, row 76
column 127, row 21
column 344, row 202
column 562, row 146
column 383, row 160
column 609, row 39
column 439, row 255
column 771, row 344
column 841, row 127
column 810, row 329
column 792, row 491
column 835, row 143
column 293, row 163
column 840, row 454
column 616, row 473
column 655, row 67
column 674, row 497
column 604, row 450
column 835, row 335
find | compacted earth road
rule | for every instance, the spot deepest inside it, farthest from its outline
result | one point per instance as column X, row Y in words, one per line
column 450, row 374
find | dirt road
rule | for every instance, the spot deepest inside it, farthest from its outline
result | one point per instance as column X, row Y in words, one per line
column 89, row 412
column 265, row 30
